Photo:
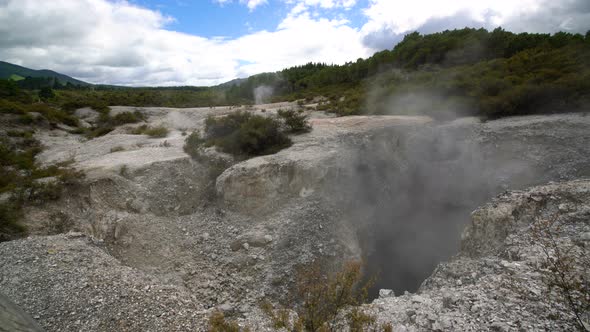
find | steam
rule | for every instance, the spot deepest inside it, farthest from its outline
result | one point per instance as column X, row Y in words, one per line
column 413, row 194
column 414, row 100
column 262, row 94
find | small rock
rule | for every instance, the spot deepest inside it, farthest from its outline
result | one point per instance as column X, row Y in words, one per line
column 499, row 327
column 245, row 245
column 384, row 293
column 226, row 307
column 73, row 235
column 449, row 300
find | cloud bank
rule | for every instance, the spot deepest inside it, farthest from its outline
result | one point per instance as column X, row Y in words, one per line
column 120, row 43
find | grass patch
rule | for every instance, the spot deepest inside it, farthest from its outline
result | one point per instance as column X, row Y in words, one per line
column 117, row 149
column 10, row 226
column 107, row 123
column 219, row 323
column 155, row 132
column 28, row 134
column 127, row 117
column 97, row 132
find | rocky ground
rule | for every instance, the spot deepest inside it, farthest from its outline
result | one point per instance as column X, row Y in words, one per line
column 499, row 280
column 156, row 244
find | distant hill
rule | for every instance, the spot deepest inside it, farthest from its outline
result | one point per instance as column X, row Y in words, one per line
column 14, row 72
column 234, row 82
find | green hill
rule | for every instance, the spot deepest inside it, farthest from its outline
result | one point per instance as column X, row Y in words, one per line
column 14, row 72
column 454, row 72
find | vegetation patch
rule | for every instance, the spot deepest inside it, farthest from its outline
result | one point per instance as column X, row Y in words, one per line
column 107, row 123
column 219, row 323
column 155, row 132
column 23, row 183
column 471, row 72
column 241, row 134
column 295, row 121
column 321, row 297
column 127, row 117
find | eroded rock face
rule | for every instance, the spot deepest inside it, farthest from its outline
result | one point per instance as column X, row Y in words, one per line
column 13, row 318
column 314, row 166
column 499, row 280
column 401, row 182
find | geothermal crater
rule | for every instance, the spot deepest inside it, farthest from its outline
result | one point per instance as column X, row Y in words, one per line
column 394, row 191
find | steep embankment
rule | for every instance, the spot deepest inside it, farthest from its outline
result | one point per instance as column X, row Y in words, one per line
column 165, row 236
column 501, row 278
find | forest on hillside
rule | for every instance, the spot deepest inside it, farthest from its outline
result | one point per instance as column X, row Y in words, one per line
column 452, row 73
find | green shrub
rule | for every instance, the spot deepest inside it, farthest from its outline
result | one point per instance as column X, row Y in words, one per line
column 127, row 117
column 98, row 131
column 99, row 106
column 26, row 119
column 192, row 144
column 54, row 115
column 28, row 134
column 107, row 123
column 46, row 93
column 33, row 185
column 150, row 131
column 222, row 127
column 12, row 107
column 40, row 192
column 296, row 122
column 156, row 131
column 245, row 134
column 258, row 136
column 10, row 226
column 72, row 105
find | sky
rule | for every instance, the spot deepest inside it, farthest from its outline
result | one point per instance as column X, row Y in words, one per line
column 208, row 42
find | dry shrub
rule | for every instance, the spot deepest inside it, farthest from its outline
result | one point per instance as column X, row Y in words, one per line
column 156, row 132
column 323, row 294
column 563, row 269
column 218, row 323
column 280, row 318
column 320, row 298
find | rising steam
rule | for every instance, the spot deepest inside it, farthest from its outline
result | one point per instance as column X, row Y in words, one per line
column 262, row 94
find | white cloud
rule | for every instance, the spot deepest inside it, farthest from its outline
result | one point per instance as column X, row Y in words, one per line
column 118, row 43
column 124, row 44
column 388, row 19
column 327, row 4
column 251, row 4
column 254, row 3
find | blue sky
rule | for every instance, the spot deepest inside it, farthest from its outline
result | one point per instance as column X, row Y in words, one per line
column 233, row 19
column 208, row 42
